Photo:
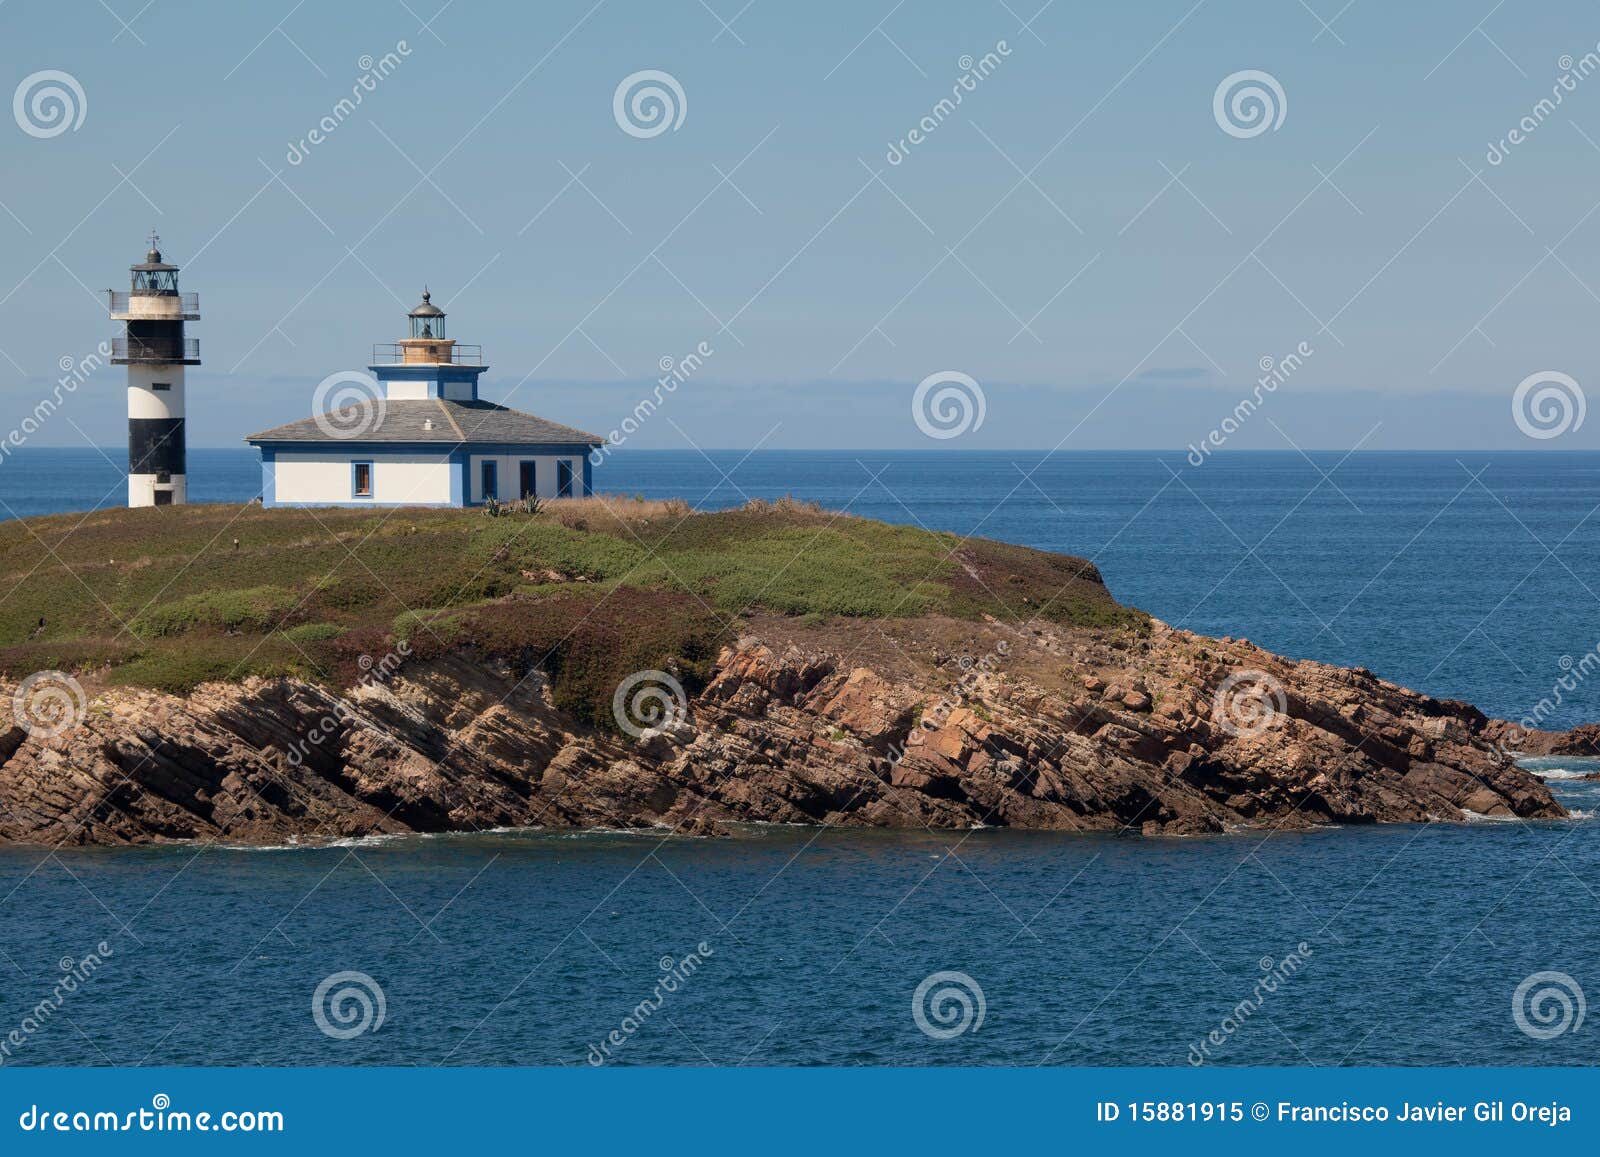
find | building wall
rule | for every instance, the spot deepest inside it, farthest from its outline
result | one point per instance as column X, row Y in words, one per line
column 404, row 478
column 406, row 390
column 415, row 389
column 145, row 401
column 509, row 472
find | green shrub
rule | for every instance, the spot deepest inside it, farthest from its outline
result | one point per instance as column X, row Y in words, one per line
column 252, row 609
column 588, row 592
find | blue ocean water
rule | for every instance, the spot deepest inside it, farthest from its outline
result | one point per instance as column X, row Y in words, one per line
column 1465, row 575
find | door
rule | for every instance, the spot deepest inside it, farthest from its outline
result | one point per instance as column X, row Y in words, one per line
column 528, row 482
column 163, row 497
column 490, row 477
column 564, row 478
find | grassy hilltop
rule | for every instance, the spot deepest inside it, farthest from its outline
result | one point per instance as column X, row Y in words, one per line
column 589, row 590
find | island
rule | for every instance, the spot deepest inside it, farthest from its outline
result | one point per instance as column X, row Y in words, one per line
column 249, row 675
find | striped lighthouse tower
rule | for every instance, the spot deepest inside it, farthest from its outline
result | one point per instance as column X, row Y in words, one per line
column 156, row 353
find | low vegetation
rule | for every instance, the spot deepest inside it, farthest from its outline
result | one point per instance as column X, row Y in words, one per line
column 588, row 590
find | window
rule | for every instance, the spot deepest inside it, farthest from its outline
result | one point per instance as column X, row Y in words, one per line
column 491, row 479
column 564, row 478
column 529, row 480
column 161, row 385
column 361, row 479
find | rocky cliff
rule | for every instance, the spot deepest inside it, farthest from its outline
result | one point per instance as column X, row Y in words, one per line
column 905, row 722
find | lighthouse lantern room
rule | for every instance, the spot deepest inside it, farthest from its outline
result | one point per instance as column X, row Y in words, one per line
column 156, row 352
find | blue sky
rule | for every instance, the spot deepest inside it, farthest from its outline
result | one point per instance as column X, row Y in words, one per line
column 1081, row 236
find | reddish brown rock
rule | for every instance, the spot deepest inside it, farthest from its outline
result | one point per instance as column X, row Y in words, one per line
column 1582, row 741
column 792, row 727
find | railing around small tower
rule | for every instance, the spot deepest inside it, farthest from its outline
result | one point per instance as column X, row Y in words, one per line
column 394, row 354
column 188, row 303
column 125, row 349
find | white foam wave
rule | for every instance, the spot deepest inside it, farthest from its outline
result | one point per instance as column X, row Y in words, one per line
column 1480, row 818
column 1562, row 772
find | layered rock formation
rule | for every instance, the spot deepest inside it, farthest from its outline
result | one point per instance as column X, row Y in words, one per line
column 1582, row 741
column 909, row 723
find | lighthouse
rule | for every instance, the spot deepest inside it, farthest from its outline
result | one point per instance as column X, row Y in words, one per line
column 414, row 432
column 156, row 353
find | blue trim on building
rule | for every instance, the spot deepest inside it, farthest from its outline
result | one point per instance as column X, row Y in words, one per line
column 334, row 446
column 458, row 477
column 529, row 449
column 269, row 478
column 588, row 477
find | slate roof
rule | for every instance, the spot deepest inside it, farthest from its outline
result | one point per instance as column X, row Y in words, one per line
column 452, row 424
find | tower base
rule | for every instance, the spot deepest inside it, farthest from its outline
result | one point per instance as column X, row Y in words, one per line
column 158, row 489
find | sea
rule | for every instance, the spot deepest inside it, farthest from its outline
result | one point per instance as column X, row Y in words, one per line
column 1470, row 575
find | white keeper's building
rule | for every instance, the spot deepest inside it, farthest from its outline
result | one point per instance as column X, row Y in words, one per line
column 426, row 440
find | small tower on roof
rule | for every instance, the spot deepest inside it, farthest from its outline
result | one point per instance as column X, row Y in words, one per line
column 156, row 352
column 427, row 363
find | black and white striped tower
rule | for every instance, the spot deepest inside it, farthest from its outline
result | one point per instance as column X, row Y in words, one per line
column 156, row 354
